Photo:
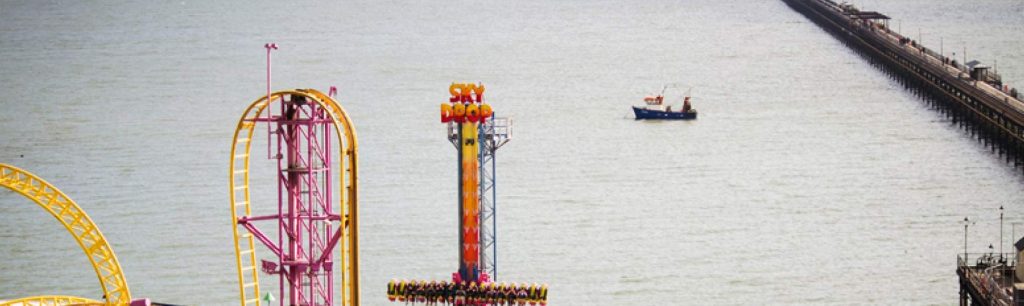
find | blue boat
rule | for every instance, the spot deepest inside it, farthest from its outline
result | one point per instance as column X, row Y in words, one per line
column 646, row 113
column 657, row 110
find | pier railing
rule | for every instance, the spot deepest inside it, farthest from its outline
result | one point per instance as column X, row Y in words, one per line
column 984, row 260
column 987, row 279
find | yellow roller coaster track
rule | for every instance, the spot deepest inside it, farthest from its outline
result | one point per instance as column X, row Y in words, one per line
column 88, row 236
column 51, row 300
column 245, row 252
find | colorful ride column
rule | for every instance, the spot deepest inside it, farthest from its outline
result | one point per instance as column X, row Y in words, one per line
column 469, row 203
column 476, row 134
column 468, row 112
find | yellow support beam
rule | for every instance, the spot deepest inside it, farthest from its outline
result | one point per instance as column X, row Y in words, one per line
column 51, row 300
column 81, row 227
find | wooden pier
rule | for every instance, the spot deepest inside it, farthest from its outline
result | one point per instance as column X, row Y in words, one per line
column 970, row 94
column 989, row 279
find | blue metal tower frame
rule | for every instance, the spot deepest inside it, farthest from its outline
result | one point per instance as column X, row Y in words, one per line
column 493, row 134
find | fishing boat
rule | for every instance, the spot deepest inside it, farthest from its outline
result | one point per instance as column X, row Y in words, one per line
column 655, row 108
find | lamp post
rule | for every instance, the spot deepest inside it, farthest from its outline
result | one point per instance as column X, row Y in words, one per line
column 269, row 47
column 966, row 223
column 920, row 40
column 1000, row 232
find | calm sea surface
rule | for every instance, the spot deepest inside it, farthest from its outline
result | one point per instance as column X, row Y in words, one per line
column 810, row 178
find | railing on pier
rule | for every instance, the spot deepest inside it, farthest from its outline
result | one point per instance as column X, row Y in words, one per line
column 986, row 278
column 984, row 260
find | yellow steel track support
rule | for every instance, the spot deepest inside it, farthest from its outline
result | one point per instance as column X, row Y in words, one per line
column 238, row 186
column 51, row 300
column 74, row 219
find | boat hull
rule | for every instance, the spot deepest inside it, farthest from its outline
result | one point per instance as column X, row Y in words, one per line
column 642, row 113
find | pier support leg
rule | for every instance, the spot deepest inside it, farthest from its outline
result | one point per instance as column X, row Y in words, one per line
column 963, row 294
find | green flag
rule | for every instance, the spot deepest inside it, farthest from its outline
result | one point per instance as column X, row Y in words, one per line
column 268, row 297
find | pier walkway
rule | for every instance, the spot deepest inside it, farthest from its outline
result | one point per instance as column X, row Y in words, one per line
column 972, row 95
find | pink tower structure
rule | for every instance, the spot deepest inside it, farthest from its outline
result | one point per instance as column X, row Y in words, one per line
column 300, row 142
column 304, row 211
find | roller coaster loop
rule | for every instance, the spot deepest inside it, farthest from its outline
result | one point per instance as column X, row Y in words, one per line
column 81, row 227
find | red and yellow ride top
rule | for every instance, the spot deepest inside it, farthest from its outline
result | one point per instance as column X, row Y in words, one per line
column 466, row 104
